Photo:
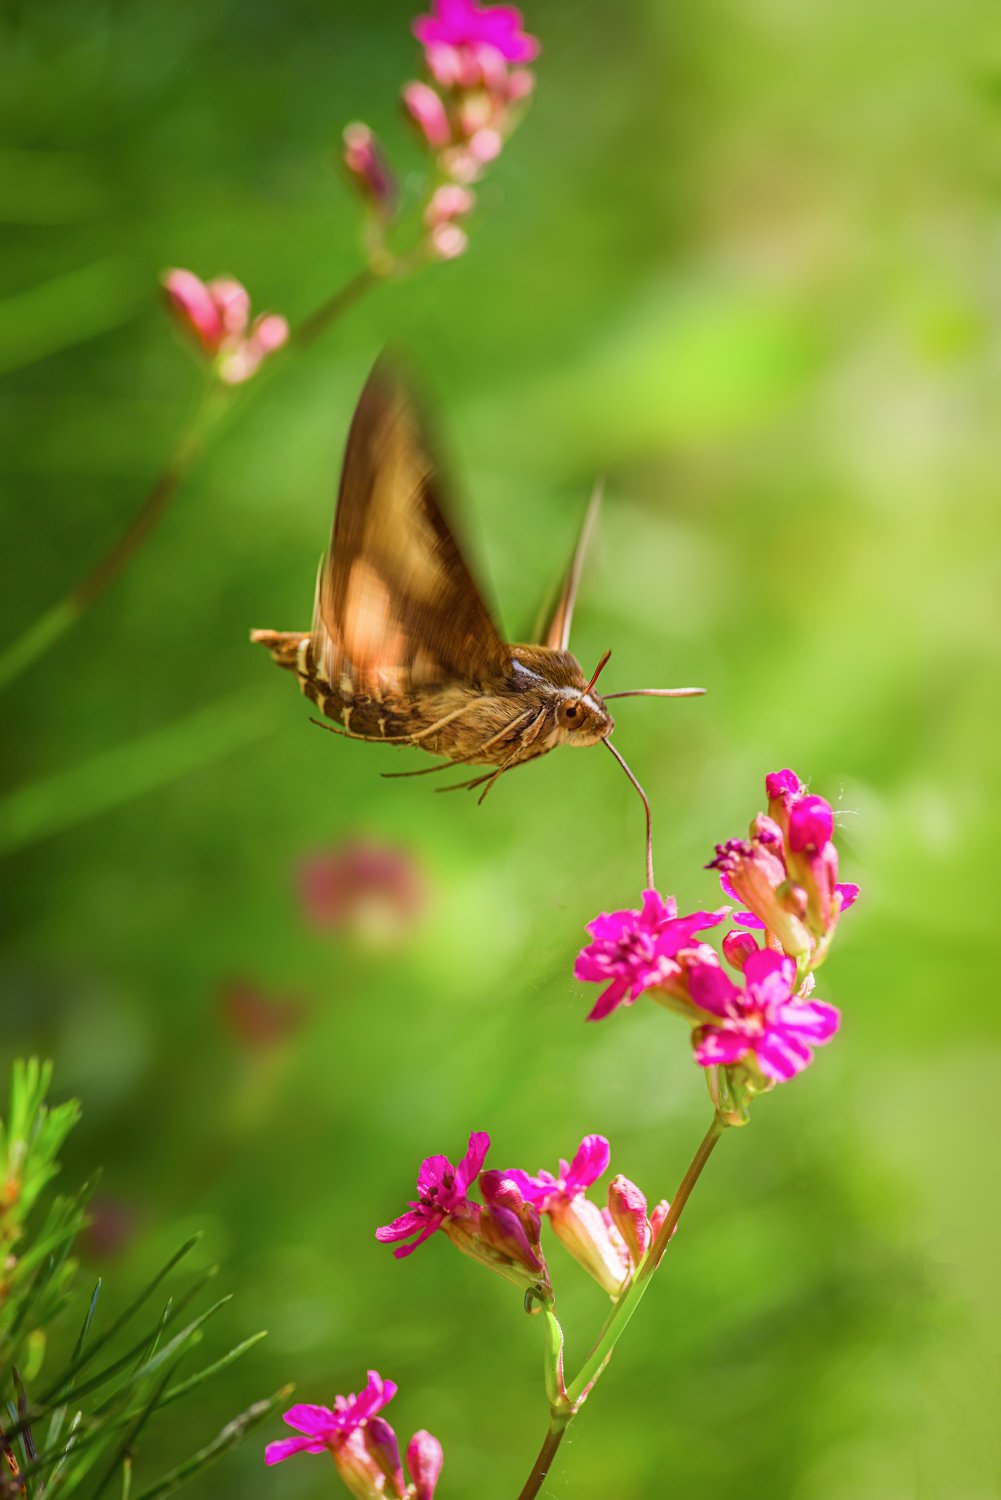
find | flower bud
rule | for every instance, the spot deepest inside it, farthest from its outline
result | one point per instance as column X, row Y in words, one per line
column 738, row 947
column 504, row 1234
column 424, row 1460
column 658, row 1216
column 380, row 1441
column 367, row 167
column 448, row 241
column 448, row 202
column 627, row 1206
column 195, row 308
column 811, row 825
column 428, row 113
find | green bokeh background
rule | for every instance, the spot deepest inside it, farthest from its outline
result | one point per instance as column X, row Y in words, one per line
column 742, row 258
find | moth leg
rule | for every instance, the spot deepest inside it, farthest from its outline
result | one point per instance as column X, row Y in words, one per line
column 463, row 759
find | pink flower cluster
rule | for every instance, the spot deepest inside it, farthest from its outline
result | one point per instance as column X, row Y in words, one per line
column 786, row 876
column 217, row 314
column 363, row 1445
column 465, row 108
column 504, row 1232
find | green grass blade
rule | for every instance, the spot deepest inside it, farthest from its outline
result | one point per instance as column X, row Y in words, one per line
column 232, row 1434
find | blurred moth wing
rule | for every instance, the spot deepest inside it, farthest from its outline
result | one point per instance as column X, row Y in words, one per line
column 403, row 649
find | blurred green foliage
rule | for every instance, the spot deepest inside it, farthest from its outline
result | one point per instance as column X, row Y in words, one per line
column 739, row 257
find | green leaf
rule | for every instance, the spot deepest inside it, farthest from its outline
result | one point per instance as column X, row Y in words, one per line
column 231, row 1434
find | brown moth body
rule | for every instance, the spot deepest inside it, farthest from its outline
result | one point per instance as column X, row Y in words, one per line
column 403, row 650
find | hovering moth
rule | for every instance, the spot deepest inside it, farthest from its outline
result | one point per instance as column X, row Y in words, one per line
column 403, row 649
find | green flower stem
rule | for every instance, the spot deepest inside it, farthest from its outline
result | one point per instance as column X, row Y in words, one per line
column 317, row 322
column 620, row 1315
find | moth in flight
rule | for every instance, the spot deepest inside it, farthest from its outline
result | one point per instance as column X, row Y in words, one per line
column 403, row 649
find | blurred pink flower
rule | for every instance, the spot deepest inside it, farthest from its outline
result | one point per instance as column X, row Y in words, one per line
column 371, row 889
column 465, row 24
column 428, row 112
column 635, row 950
column 324, row 1428
column 217, row 313
column 257, row 1019
column 765, row 1020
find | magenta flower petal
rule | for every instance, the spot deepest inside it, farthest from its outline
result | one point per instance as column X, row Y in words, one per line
column 849, row 894
column 814, row 1018
column 781, row 1056
column 682, row 932
column 782, row 783
column 610, row 1000
column 770, row 976
column 469, row 1167
column 718, row 1047
column 463, row 23
column 400, row 1228
column 432, row 1223
column 712, row 989
column 274, row 1453
column 377, row 1394
column 315, row 1421
column 590, row 1161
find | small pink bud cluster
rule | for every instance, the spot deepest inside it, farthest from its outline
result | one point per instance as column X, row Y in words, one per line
column 217, row 314
column 363, row 1445
column 464, row 109
column 608, row 1242
column 763, row 1030
column 502, row 1232
column 477, row 80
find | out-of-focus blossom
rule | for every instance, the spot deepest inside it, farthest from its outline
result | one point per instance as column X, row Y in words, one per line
column 217, row 314
column 465, row 24
column 111, row 1227
column 256, row 1019
column 371, row 890
column 765, row 1023
column 368, row 169
column 428, row 113
column 363, row 1445
column 633, row 951
column 785, row 873
column 502, row 1232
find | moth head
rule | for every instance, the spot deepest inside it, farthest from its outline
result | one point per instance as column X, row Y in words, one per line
column 584, row 719
column 582, row 716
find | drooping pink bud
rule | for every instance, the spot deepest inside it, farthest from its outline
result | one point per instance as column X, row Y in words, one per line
column 424, row 1460
column 367, row 167
column 426, row 109
column 738, row 947
column 627, row 1206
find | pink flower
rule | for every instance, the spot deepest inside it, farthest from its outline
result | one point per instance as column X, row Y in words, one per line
column 217, row 313
column 577, row 1221
column 502, row 1232
column 765, row 1020
column 464, row 23
column 326, row 1429
column 441, row 1194
column 633, row 951
column 372, row 890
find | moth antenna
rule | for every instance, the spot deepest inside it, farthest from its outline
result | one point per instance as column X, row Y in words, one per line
column 595, row 675
column 646, row 808
column 658, row 693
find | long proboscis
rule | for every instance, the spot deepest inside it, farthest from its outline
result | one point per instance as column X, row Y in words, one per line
column 646, row 808
column 658, row 693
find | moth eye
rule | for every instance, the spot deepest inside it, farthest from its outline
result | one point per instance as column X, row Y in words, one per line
column 571, row 712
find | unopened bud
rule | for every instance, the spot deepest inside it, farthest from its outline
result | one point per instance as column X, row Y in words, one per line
column 424, row 1460
column 658, row 1216
column 368, row 168
column 811, row 824
column 627, row 1206
column 448, row 241
column 738, row 947
column 380, row 1440
column 428, row 113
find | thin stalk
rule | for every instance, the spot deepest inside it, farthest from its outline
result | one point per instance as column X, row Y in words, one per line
column 318, row 321
column 620, row 1315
